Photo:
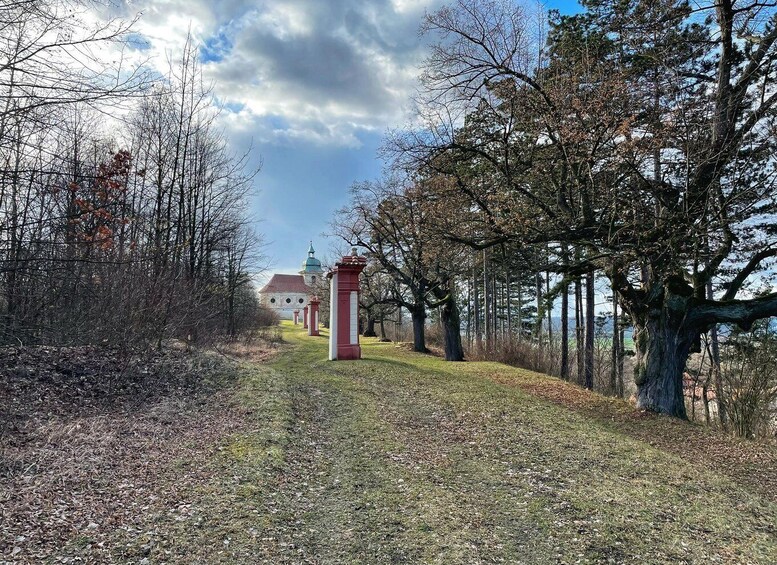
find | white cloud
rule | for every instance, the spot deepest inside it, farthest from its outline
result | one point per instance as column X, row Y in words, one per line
column 286, row 21
column 298, row 70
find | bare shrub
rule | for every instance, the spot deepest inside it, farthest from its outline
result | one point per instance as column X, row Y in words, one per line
column 434, row 336
column 749, row 370
column 524, row 353
column 269, row 334
column 266, row 317
column 743, row 397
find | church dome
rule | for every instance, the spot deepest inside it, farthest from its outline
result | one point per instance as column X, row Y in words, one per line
column 311, row 264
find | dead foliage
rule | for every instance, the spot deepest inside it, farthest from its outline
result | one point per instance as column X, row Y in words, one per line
column 93, row 437
column 251, row 350
column 738, row 459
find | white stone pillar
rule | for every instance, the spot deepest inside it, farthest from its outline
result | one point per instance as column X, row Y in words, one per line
column 333, row 316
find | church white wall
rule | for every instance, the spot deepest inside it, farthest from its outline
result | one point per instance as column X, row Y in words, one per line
column 312, row 278
column 285, row 303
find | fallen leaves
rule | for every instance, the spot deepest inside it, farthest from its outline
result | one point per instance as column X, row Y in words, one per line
column 398, row 458
column 92, row 438
column 751, row 464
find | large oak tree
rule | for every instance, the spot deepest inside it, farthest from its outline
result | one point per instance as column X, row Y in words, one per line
column 642, row 135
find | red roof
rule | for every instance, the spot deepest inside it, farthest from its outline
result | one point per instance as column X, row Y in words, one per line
column 286, row 283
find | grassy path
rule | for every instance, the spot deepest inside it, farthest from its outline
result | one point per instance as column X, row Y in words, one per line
column 402, row 458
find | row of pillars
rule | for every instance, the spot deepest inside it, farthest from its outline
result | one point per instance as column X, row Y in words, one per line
column 310, row 319
column 343, row 309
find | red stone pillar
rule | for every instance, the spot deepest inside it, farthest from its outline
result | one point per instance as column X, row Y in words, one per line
column 313, row 315
column 305, row 318
column 344, row 308
column 296, row 317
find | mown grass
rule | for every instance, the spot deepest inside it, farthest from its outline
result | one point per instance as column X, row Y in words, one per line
column 404, row 458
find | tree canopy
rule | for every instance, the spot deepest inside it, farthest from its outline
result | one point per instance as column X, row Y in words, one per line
column 640, row 134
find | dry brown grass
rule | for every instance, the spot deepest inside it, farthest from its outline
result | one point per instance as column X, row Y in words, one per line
column 738, row 459
column 255, row 351
column 91, row 440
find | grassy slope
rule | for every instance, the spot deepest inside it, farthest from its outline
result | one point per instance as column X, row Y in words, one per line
column 403, row 458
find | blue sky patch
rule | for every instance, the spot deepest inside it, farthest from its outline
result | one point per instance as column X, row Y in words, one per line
column 138, row 42
column 234, row 107
column 216, row 47
column 276, row 122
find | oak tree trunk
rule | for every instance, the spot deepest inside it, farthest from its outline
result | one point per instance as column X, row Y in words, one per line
column 451, row 322
column 662, row 350
column 663, row 340
column 369, row 329
column 418, row 316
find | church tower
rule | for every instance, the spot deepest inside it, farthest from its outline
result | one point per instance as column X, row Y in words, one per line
column 311, row 268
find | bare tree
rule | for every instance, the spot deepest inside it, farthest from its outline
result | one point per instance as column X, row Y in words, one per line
column 135, row 236
column 566, row 152
column 392, row 223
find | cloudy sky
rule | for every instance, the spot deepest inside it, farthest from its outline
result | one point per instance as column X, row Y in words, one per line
column 312, row 84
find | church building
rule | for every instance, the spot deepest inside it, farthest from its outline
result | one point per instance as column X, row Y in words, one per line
column 286, row 293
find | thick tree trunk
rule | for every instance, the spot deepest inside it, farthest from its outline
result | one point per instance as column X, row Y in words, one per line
column 451, row 322
column 662, row 346
column 369, row 329
column 668, row 318
column 418, row 315
column 664, row 333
